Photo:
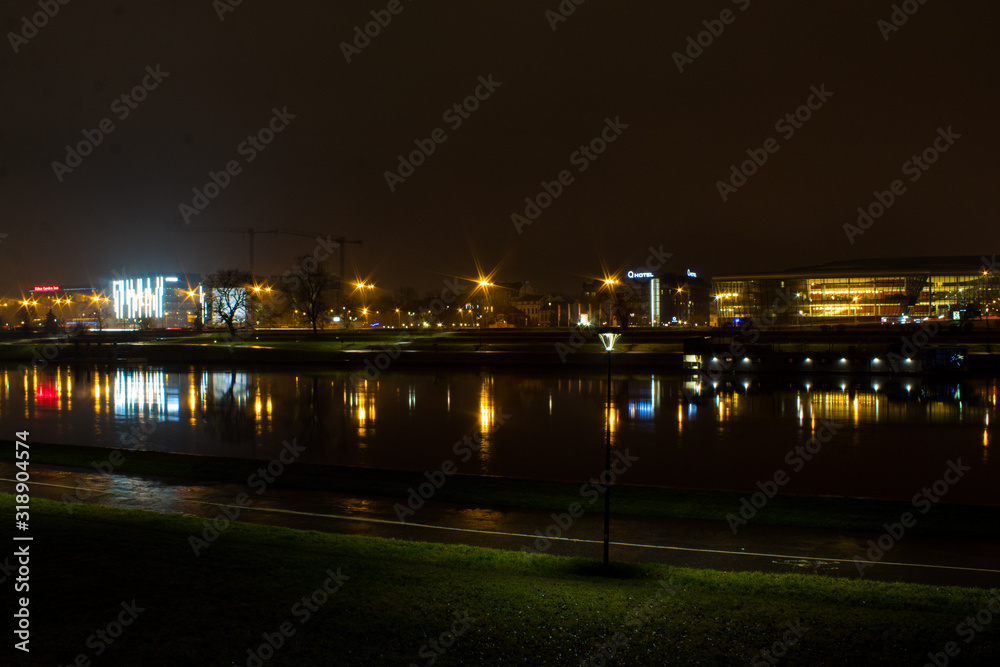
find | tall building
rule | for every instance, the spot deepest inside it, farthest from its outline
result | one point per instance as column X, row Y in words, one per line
column 158, row 301
column 651, row 299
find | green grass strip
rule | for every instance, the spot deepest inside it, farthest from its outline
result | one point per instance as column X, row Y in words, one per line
column 397, row 596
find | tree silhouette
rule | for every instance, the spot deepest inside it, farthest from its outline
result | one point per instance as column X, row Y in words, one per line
column 309, row 285
column 51, row 325
column 228, row 290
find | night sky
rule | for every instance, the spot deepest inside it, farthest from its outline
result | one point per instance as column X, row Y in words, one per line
column 654, row 185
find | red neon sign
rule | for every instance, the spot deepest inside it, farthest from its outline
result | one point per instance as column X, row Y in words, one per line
column 46, row 288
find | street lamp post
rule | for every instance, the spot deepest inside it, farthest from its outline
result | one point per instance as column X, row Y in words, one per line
column 609, row 336
column 485, row 285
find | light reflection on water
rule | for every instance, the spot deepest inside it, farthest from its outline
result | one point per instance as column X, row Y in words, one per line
column 726, row 434
column 487, row 419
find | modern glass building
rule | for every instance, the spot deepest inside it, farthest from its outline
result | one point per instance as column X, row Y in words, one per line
column 861, row 291
column 171, row 300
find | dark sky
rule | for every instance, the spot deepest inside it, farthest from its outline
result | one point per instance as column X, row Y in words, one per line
column 655, row 185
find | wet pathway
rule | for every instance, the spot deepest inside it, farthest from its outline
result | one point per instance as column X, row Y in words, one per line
column 680, row 542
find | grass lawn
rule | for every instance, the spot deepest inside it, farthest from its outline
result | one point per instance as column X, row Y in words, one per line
column 947, row 520
column 395, row 597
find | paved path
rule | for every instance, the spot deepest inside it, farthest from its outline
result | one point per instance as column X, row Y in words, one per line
column 681, row 542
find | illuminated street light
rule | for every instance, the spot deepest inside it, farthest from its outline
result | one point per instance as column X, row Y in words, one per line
column 485, row 284
column 610, row 282
column 609, row 336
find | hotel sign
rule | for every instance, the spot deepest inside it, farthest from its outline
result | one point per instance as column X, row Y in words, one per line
column 639, row 274
column 46, row 288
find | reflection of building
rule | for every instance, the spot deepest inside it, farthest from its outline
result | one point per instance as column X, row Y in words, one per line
column 172, row 300
column 878, row 400
column 145, row 392
column 856, row 290
column 643, row 399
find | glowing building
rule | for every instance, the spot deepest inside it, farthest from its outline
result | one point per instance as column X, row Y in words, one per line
column 860, row 290
column 158, row 301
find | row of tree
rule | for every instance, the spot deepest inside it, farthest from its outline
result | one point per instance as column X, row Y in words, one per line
column 310, row 289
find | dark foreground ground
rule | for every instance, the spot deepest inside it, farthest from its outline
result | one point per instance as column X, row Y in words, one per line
column 128, row 588
column 201, row 586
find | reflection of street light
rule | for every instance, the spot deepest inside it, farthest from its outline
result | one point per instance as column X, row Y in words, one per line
column 608, row 335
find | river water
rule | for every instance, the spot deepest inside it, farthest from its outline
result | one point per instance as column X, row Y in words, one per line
column 884, row 437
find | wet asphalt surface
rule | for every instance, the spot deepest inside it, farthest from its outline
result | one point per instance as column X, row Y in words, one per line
column 678, row 542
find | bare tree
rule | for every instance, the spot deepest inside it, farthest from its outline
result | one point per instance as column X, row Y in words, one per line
column 309, row 285
column 101, row 315
column 406, row 299
column 228, row 291
column 267, row 306
column 620, row 305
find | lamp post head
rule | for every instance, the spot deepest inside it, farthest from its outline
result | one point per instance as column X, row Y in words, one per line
column 609, row 336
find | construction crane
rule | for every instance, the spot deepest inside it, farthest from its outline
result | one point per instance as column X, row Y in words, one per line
column 250, row 231
column 341, row 241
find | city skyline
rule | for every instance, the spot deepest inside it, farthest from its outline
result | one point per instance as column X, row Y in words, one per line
column 733, row 135
column 500, row 332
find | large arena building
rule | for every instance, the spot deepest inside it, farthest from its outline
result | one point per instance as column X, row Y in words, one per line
column 861, row 291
